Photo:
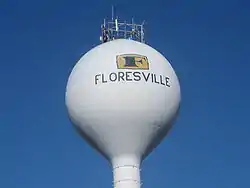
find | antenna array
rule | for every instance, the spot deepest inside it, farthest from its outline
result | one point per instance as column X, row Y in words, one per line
column 114, row 29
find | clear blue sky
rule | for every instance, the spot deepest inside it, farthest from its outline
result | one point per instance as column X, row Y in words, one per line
column 208, row 45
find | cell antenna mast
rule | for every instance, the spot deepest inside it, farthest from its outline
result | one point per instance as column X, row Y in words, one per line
column 115, row 29
column 112, row 13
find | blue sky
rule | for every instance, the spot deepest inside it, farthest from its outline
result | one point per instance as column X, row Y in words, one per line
column 208, row 45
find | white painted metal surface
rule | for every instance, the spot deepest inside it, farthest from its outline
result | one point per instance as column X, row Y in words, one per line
column 123, row 97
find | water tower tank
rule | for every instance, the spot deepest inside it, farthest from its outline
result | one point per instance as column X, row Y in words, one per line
column 123, row 96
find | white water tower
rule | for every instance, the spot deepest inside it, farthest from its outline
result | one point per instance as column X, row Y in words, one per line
column 123, row 97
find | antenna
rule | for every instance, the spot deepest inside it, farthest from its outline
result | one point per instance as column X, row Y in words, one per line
column 115, row 29
column 112, row 13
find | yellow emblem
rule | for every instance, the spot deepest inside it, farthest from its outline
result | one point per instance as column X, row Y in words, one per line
column 132, row 61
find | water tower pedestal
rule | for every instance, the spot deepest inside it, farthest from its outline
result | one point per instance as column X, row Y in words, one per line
column 126, row 172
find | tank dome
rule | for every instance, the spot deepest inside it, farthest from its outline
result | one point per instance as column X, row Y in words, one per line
column 123, row 96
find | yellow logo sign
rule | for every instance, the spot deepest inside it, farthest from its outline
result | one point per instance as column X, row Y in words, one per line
column 132, row 61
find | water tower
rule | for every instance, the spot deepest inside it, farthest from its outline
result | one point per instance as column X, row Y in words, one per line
column 123, row 97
